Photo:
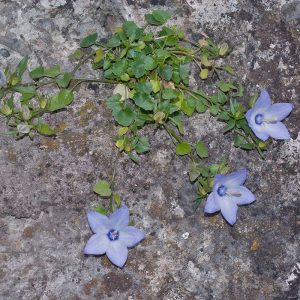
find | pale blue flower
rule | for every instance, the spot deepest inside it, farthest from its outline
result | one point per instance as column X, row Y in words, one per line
column 228, row 192
column 2, row 78
column 112, row 235
column 264, row 118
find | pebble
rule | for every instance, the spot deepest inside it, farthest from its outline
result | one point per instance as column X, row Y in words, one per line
column 4, row 52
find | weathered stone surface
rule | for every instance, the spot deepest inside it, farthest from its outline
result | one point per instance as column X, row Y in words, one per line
column 46, row 185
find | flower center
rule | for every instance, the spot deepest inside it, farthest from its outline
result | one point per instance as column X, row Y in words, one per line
column 113, row 235
column 259, row 118
column 221, row 190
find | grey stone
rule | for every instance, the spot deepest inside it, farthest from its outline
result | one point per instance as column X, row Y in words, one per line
column 46, row 184
column 4, row 52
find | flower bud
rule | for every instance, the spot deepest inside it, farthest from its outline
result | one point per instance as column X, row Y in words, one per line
column 159, row 117
column 43, row 103
column 26, row 114
column 203, row 43
column 6, row 110
column 223, row 49
column 23, row 128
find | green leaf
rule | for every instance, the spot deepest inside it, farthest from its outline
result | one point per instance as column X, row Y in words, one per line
column 161, row 55
column 223, row 116
column 131, row 30
column 141, row 144
column 252, row 100
column 37, row 72
column 230, row 125
column 60, row 100
column 169, row 94
column 167, row 72
column 225, row 86
column 64, row 80
column 188, row 106
column 125, row 116
column 144, row 101
column 52, row 72
column 214, row 110
column 101, row 209
column 102, row 188
column 114, row 41
column 150, row 64
column 119, row 67
column 201, row 149
column 77, row 54
column 45, row 129
column 161, row 16
column 184, row 70
column 89, row 40
column 204, row 74
column 241, row 142
column 133, row 158
column 138, row 68
column 117, row 199
column 194, row 171
column 155, row 86
column 201, row 105
column 228, row 69
column 21, row 67
column 25, row 89
column 183, row 148
column 98, row 55
column 114, row 103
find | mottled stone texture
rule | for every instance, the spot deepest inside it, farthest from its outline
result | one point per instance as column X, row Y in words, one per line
column 46, row 184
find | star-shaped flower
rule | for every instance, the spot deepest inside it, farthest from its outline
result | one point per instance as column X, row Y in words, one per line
column 228, row 192
column 112, row 235
column 264, row 118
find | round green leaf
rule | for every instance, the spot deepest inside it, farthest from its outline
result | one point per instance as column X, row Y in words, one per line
column 183, row 148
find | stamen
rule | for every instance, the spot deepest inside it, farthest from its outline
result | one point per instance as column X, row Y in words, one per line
column 259, row 118
column 221, row 190
column 113, row 235
column 234, row 193
column 271, row 120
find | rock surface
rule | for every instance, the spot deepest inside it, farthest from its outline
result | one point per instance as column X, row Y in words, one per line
column 46, row 185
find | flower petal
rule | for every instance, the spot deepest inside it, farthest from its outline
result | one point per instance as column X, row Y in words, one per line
column 131, row 236
column 211, row 205
column 246, row 197
column 120, row 218
column 261, row 135
column 279, row 111
column 277, row 131
column 233, row 179
column 99, row 223
column 228, row 209
column 257, row 129
column 263, row 101
column 218, row 178
column 97, row 244
column 117, row 253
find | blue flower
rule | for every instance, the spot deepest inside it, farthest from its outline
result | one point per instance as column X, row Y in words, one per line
column 2, row 78
column 264, row 118
column 112, row 235
column 228, row 192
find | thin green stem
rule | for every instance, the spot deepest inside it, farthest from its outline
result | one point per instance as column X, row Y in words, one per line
column 239, row 132
column 190, row 42
column 173, row 135
column 81, row 62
